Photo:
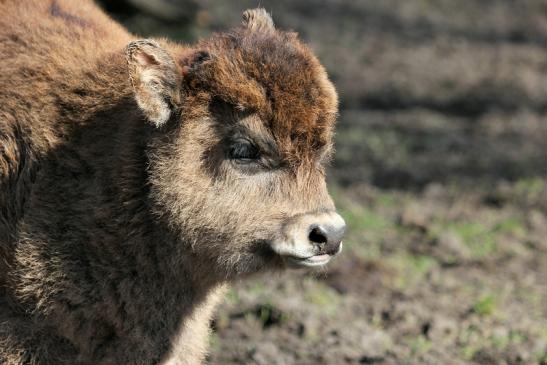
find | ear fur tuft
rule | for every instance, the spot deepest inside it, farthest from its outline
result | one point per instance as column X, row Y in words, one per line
column 258, row 20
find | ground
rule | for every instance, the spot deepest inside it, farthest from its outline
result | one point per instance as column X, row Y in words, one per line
column 440, row 173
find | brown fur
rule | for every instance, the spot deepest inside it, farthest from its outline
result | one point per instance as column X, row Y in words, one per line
column 121, row 219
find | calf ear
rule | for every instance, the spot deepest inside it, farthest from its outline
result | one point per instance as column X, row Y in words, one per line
column 155, row 79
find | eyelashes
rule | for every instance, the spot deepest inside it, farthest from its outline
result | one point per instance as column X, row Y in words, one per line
column 243, row 151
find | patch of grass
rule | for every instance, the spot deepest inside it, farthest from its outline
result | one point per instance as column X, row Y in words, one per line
column 541, row 354
column 383, row 199
column 256, row 288
column 513, row 337
column 365, row 229
column 541, row 357
column 324, row 298
column 419, row 346
column 411, row 269
column 469, row 338
column 468, row 351
column 422, row 263
column 232, row 296
column 214, row 341
column 269, row 315
column 532, row 298
column 480, row 238
column 485, row 305
column 530, row 188
column 359, row 218
column 512, row 225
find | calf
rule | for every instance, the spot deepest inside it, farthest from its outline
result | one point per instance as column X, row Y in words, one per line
column 139, row 177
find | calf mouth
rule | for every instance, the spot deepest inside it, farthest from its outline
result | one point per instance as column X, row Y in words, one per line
column 313, row 261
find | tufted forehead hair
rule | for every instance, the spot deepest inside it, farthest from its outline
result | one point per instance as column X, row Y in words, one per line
column 270, row 73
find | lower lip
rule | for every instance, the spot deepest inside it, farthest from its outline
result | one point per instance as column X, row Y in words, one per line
column 313, row 261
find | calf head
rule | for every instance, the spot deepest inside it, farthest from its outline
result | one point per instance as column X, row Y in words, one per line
column 244, row 130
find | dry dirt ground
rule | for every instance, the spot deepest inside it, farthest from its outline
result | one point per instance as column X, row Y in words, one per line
column 441, row 174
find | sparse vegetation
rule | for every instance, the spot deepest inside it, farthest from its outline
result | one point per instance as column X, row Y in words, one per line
column 485, row 305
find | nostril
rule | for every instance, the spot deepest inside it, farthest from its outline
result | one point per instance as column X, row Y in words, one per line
column 318, row 235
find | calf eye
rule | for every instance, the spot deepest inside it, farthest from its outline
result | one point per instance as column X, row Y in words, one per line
column 243, row 151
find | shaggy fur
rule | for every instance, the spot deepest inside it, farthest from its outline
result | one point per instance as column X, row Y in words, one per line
column 121, row 216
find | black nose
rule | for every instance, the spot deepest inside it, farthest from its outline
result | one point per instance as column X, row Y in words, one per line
column 327, row 238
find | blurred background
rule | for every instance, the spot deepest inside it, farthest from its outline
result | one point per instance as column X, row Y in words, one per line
column 440, row 173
